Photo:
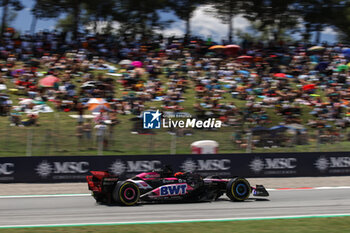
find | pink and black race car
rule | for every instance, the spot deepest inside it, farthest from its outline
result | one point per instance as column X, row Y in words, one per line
column 163, row 185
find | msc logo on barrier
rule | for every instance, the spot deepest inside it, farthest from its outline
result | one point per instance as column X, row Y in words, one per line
column 169, row 190
column 6, row 168
column 119, row 167
column 257, row 165
column 44, row 169
column 151, row 119
column 333, row 164
column 190, row 165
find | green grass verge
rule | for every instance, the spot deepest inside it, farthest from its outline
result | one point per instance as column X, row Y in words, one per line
column 310, row 225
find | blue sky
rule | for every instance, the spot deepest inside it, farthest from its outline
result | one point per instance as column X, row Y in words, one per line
column 201, row 24
column 24, row 19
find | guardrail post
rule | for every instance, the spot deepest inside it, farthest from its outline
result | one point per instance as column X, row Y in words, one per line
column 29, row 141
column 173, row 144
column 100, row 140
column 249, row 142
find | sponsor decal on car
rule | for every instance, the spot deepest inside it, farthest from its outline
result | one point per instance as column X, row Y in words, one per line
column 171, row 190
column 142, row 184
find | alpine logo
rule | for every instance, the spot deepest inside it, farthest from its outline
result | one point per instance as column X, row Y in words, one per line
column 190, row 165
column 6, row 168
column 171, row 190
column 119, row 167
column 45, row 169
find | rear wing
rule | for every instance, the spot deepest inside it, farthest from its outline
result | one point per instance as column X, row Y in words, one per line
column 100, row 180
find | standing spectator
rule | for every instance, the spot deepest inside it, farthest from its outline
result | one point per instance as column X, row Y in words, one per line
column 101, row 139
column 79, row 133
column 87, row 128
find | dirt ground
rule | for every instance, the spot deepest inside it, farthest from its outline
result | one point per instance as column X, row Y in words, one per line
column 71, row 188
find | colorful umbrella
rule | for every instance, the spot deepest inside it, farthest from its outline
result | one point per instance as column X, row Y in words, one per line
column 346, row 52
column 309, row 87
column 217, row 47
column 342, row 68
column 125, row 62
column 100, row 108
column 280, row 75
column 247, row 58
column 26, row 101
column 49, row 81
column 231, row 49
column 244, row 72
column 137, row 64
column 17, row 72
column 232, row 46
column 97, row 104
column 316, row 48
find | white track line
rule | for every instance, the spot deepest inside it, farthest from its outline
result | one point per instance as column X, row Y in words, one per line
column 309, row 188
column 88, row 194
column 47, row 195
column 180, row 221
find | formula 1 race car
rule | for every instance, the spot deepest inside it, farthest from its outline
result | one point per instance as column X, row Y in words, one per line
column 164, row 186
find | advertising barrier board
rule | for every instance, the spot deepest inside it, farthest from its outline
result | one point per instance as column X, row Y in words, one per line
column 53, row 169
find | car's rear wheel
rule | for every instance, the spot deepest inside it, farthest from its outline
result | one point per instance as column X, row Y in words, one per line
column 126, row 193
column 238, row 189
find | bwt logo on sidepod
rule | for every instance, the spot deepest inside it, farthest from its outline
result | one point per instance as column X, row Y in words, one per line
column 257, row 164
column 170, row 190
column 151, row 119
column 119, row 167
column 190, row 165
column 45, row 168
column 6, row 168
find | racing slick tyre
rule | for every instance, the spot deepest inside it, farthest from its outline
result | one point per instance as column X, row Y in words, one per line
column 238, row 189
column 126, row 193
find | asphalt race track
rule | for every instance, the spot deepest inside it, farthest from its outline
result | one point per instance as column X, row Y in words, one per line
column 83, row 209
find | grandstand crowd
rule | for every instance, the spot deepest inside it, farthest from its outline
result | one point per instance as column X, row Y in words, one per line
column 243, row 84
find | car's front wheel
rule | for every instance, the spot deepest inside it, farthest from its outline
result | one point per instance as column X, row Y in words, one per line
column 238, row 189
column 126, row 193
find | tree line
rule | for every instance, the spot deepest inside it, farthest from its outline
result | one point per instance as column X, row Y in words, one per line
column 275, row 18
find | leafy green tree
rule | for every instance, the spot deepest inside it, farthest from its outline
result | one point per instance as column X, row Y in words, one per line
column 184, row 9
column 8, row 5
column 340, row 19
column 313, row 13
column 107, row 10
column 44, row 9
column 226, row 10
column 54, row 8
column 273, row 15
column 141, row 17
